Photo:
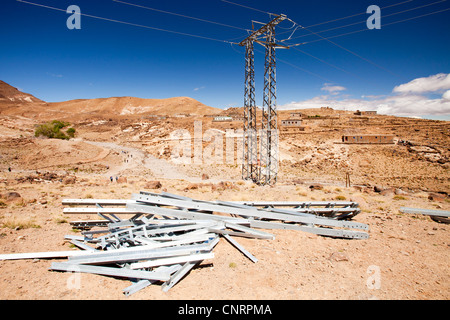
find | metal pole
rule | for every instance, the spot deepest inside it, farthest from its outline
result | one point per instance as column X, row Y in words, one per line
column 269, row 134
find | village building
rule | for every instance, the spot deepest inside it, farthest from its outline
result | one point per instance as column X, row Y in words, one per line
column 368, row 138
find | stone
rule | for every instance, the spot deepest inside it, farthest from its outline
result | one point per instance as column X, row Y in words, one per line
column 153, row 184
column 12, row 195
column 69, row 180
column 434, row 196
column 377, row 189
column 338, row 257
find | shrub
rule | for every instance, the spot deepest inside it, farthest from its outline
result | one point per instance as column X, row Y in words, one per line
column 58, row 125
column 52, row 130
column 24, row 224
column 71, row 132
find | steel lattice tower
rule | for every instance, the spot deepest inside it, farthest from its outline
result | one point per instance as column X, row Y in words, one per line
column 250, row 169
column 265, row 170
column 269, row 132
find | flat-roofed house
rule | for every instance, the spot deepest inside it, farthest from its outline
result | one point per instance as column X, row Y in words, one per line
column 368, row 138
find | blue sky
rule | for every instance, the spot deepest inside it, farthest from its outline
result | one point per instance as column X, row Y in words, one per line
column 355, row 68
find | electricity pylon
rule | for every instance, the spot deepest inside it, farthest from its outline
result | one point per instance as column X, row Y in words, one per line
column 265, row 169
column 250, row 168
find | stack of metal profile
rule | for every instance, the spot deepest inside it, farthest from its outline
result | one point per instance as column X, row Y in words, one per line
column 158, row 238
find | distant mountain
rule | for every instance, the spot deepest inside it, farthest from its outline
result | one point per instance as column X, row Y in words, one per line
column 15, row 102
column 134, row 106
column 11, row 95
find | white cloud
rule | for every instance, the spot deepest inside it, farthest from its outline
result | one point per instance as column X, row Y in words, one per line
column 446, row 95
column 332, row 89
column 407, row 99
column 199, row 88
column 434, row 83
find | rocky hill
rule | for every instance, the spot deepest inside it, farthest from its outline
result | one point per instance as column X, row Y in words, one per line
column 129, row 106
column 12, row 95
column 13, row 102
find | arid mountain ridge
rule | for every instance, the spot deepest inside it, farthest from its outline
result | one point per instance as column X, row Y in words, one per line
column 15, row 102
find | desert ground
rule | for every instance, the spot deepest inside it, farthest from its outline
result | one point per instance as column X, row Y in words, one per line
column 405, row 257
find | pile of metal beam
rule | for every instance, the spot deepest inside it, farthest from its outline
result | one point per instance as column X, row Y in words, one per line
column 159, row 238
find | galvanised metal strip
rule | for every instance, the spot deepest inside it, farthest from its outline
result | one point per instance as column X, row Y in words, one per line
column 245, row 204
column 171, row 260
column 166, row 194
column 136, row 254
column 428, row 212
column 75, row 237
column 237, row 234
column 341, row 223
column 251, row 211
column 317, row 210
column 110, row 271
column 88, row 224
column 177, row 276
column 141, row 284
column 161, row 244
column 184, row 236
column 137, row 286
column 306, row 212
column 97, row 210
column 155, row 232
column 183, row 214
column 241, row 248
column 340, row 233
column 94, row 201
column 104, row 216
column 262, row 234
column 310, row 212
column 41, row 255
column 298, row 203
column 160, row 229
column 82, row 245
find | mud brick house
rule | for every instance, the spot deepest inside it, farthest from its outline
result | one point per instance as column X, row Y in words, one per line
column 291, row 122
column 368, row 138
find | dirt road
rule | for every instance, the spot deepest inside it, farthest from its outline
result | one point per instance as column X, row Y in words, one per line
column 136, row 160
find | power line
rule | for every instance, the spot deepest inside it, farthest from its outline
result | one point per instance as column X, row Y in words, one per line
column 353, row 53
column 384, row 24
column 323, row 61
column 384, row 16
column 129, row 23
column 247, row 7
column 180, row 15
column 357, row 14
column 297, row 67
column 294, row 23
column 317, row 24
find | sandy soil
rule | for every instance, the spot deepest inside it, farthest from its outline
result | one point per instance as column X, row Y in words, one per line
column 406, row 256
